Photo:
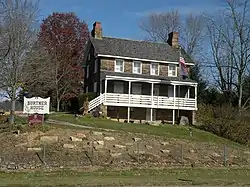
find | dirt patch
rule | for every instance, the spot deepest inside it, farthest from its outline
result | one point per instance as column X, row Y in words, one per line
column 122, row 150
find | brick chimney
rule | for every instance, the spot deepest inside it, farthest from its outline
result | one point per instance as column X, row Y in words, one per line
column 97, row 30
column 173, row 39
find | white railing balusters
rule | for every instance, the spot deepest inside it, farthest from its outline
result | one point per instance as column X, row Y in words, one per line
column 132, row 100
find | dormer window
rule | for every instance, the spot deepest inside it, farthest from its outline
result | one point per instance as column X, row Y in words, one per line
column 172, row 70
column 137, row 67
column 119, row 65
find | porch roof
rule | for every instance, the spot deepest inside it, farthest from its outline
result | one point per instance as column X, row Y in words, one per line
column 146, row 78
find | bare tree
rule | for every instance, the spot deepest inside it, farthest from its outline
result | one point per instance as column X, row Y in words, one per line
column 158, row 25
column 193, row 33
column 230, row 43
column 17, row 21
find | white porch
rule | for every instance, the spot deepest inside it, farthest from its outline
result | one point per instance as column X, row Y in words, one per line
column 124, row 98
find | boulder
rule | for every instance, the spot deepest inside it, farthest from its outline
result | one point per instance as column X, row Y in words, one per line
column 184, row 120
column 36, row 149
column 115, row 154
column 165, row 151
column 100, row 142
column 119, row 146
column 164, row 143
column 129, row 144
column 109, row 138
column 247, row 152
column 148, row 147
column 140, row 152
column 97, row 133
column 216, row 155
column 68, row 146
column 137, row 139
column 74, row 139
column 49, row 139
column 81, row 135
column 21, row 144
column 191, row 151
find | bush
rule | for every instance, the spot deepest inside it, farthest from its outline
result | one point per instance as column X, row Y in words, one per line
column 225, row 121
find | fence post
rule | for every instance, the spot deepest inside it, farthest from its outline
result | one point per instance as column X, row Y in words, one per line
column 44, row 153
column 225, row 155
column 138, row 152
column 182, row 162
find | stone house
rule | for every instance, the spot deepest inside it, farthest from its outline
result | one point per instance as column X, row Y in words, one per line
column 138, row 80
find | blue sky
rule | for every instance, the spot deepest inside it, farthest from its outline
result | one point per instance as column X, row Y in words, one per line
column 120, row 18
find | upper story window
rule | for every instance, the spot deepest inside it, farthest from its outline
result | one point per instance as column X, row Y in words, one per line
column 172, row 70
column 137, row 67
column 154, row 69
column 119, row 65
column 96, row 65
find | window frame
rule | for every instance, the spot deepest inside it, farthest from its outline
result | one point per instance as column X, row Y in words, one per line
column 176, row 71
column 140, row 67
column 158, row 68
column 121, row 60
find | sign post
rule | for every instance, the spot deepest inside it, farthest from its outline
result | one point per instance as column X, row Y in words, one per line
column 36, row 107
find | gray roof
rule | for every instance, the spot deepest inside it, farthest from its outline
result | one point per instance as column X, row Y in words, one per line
column 123, row 74
column 137, row 49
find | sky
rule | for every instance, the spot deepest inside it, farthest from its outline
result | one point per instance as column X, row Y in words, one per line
column 120, row 18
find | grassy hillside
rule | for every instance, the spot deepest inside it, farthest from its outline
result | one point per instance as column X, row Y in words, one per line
column 167, row 131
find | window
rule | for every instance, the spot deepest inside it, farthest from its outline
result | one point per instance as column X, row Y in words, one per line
column 96, row 65
column 119, row 66
column 172, row 70
column 154, row 69
column 87, row 71
column 95, row 87
column 137, row 67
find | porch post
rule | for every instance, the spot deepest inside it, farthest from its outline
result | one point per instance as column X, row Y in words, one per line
column 129, row 90
column 152, row 101
column 105, row 89
column 188, row 93
column 174, row 93
column 195, row 95
column 173, row 122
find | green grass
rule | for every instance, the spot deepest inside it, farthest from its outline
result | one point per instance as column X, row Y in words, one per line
column 135, row 177
column 168, row 131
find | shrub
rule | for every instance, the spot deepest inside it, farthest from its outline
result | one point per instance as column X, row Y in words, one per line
column 225, row 121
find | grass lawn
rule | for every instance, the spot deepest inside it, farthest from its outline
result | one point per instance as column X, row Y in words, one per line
column 143, row 177
column 168, row 131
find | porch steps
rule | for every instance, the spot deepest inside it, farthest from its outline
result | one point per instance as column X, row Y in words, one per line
column 96, row 102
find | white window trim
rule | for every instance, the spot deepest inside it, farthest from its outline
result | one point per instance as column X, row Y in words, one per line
column 140, row 67
column 158, row 71
column 141, row 59
column 122, row 65
column 176, row 71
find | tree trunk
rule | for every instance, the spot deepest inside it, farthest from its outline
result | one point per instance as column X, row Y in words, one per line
column 240, row 95
column 12, row 113
column 58, row 105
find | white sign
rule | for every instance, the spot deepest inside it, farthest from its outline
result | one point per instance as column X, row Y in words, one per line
column 36, row 105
